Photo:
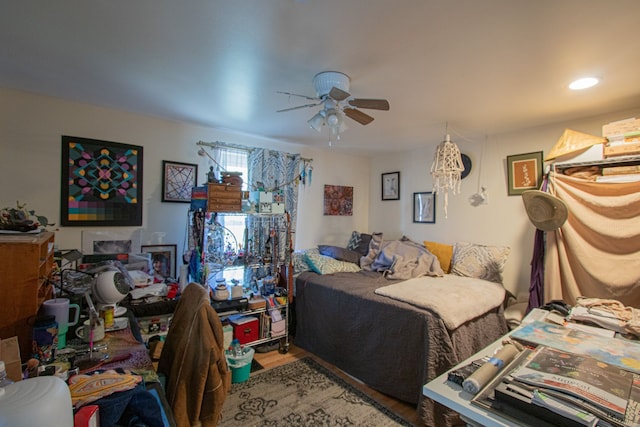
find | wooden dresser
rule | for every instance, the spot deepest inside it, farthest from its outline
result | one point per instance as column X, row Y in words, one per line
column 224, row 198
column 26, row 262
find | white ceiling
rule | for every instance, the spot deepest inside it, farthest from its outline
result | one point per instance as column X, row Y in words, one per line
column 480, row 66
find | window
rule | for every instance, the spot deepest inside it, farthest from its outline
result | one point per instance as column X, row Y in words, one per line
column 234, row 160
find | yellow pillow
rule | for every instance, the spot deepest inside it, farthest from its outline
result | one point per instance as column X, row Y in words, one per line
column 443, row 252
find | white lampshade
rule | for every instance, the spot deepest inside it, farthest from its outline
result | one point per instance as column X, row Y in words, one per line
column 316, row 121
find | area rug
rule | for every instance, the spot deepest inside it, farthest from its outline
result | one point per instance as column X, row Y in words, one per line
column 302, row 393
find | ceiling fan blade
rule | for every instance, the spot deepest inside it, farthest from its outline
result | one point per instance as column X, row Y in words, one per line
column 358, row 116
column 312, row 98
column 299, row 106
column 338, row 94
column 374, row 104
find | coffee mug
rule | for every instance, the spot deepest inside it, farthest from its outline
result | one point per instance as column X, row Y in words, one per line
column 84, row 331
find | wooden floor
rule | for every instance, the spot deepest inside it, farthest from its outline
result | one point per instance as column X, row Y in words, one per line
column 274, row 358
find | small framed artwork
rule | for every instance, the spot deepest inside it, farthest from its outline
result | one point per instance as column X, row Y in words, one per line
column 163, row 261
column 424, row 207
column 338, row 200
column 178, row 179
column 524, row 172
column 391, row 186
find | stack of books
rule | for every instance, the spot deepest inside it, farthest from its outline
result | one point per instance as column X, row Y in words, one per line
column 572, row 390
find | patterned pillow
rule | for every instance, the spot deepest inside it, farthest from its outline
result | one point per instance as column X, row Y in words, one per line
column 372, row 254
column 359, row 242
column 323, row 264
column 443, row 252
column 479, row 261
column 299, row 259
column 341, row 254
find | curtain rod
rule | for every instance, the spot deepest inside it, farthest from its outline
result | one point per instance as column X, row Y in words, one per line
column 216, row 144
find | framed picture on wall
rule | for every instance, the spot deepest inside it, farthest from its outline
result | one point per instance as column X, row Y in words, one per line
column 178, row 180
column 101, row 183
column 391, row 186
column 524, row 172
column 424, row 207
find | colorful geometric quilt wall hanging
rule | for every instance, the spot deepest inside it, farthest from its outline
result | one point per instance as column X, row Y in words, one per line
column 101, row 183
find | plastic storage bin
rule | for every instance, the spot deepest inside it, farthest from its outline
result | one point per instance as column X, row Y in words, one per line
column 240, row 365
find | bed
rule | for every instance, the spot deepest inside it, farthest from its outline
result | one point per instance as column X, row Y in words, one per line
column 391, row 341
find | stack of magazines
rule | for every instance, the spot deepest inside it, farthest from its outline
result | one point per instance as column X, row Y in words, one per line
column 567, row 389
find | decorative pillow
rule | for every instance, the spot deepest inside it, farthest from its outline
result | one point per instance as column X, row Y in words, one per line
column 359, row 242
column 372, row 254
column 443, row 252
column 479, row 261
column 323, row 264
column 341, row 254
column 299, row 259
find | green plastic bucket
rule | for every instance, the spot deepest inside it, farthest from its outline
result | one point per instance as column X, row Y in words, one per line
column 240, row 365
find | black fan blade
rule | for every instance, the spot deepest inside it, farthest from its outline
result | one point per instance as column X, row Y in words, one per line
column 299, row 106
column 311, row 98
column 358, row 116
column 338, row 94
column 374, row 104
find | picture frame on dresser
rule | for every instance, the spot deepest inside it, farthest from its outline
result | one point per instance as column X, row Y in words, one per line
column 163, row 252
column 178, row 180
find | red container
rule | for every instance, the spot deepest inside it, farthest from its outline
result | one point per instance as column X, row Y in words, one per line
column 245, row 328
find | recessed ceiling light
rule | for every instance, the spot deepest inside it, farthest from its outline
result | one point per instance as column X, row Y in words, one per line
column 583, row 83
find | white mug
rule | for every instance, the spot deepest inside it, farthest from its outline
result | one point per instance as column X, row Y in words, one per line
column 98, row 330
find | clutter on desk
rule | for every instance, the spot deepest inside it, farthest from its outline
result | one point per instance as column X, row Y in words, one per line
column 569, row 373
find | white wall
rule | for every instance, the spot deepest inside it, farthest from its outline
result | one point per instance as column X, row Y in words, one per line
column 30, row 155
column 503, row 221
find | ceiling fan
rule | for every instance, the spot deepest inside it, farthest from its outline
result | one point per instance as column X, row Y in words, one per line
column 332, row 92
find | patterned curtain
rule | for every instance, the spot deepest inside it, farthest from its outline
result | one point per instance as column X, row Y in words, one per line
column 276, row 170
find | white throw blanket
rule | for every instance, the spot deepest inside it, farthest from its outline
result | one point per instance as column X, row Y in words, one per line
column 455, row 299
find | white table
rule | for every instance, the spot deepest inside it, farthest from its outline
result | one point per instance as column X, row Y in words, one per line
column 453, row 396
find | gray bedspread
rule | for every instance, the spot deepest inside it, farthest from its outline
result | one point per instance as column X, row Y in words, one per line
column 392, row 346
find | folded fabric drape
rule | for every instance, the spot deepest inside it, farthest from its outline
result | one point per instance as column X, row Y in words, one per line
column 596, row 253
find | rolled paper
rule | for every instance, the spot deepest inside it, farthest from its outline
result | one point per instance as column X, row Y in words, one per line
column 488, row 371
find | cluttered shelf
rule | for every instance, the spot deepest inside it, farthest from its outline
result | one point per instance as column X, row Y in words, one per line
column 549, row 371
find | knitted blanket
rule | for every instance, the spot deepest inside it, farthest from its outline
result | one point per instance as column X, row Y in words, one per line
column 455, row 299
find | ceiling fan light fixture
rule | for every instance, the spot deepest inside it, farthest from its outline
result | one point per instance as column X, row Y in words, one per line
column 332, row 119
column 316, row 121
column 324, row 81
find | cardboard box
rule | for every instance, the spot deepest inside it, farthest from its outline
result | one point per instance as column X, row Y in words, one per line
column 245, row 328
column 621, row 127
column 622, row 149
column 10, row 353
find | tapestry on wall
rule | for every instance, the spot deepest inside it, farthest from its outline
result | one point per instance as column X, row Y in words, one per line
column 101, row 183
column 338, row 200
